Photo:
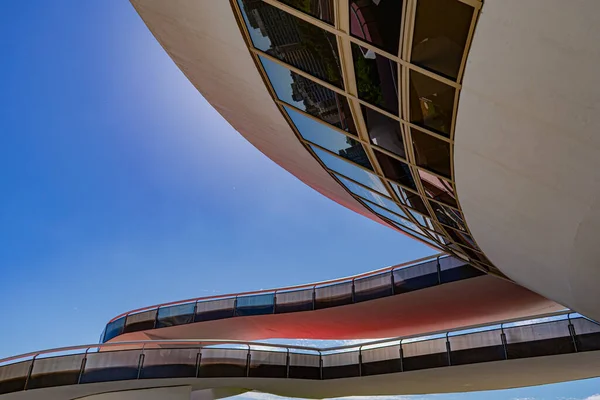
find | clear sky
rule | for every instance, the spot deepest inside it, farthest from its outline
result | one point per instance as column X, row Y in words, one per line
column 121, row 187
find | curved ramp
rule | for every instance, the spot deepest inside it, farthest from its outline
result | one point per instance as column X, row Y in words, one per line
column 522, row 353
column 431, row 294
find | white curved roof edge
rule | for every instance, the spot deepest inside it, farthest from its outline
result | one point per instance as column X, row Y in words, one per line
column 204, row 40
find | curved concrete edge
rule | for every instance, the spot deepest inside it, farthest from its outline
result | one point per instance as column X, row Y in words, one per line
column 159, row 393
column 205, row 42
column 474, row 301
column 527, row 149
column 465, row 378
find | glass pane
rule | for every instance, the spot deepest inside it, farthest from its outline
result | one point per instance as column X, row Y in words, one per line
column 431, row 103
column 384, row 131
column 256, row 300
column 431, row 153
column 448, row 216
column 309, row 96
column 371, row 196
column 424, row 238
column 393, row 217
column 474, row 255
column 410, row 199
column 293, row 40
column 350, row 170
column 377, row 22
column 328, row 138
column 438, row 189
column 322, row 9
column 114, row 329
column 440, row 35
column 461, row 238
column 376, row 78
column 396, row 170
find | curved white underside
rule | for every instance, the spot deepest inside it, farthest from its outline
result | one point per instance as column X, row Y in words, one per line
column 463, row 378
column 527, row 151
column 204, row 40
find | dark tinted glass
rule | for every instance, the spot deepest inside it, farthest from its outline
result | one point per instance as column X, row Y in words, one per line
column 410, row 199
column 376, row 78
column 474, row 255
column 431, row 103
column 395, row 218
column 461, row 238
column 438, row 189
column 440, row 35
column 371, row 196
column 309, row 96
column 351, row 171
column 384, row 131
column 377, row 22
column 328, row 138
column 322, row 9
column 396, row 170
column 293, row 40
column 448, row 216
column 431, row 153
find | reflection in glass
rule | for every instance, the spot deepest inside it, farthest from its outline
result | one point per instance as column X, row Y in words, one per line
column 350, row 170
column 440, row 35
column 431, row 103
column 461, row 238
column 431, row 153
column 422, row 237
column 322, row 9
column 329, row 138
column 425, row 222
column 393, row 217
column 377, row 22
column 448, row 216
column 395, row 170
column 309, row 96
column 293, row 40
column 376, row 78
column 410, row 199
column 438, row 189
column 384, row 131
column 474, row 255
column 371, row 196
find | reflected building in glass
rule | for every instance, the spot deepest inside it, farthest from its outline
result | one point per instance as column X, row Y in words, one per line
column 404, row 112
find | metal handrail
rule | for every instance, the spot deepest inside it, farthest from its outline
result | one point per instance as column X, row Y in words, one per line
column 320, row 350
column 295, row 287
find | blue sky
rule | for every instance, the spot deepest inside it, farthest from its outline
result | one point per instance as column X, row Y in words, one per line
column 122, row 187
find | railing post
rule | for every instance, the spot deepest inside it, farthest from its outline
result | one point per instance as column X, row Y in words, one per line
column 82, row 368
column 320, row 365
column 194, row 313
column 503, row 338
column 360, row 361
column 30, row 371
column 235, row 301
column 156, row 318
column 141, row 361
column 448, row 350
column 353, row 291
column 198, row 361
column 248, row 362
column 401, row 355
column 439, row 270
column 572, row 333
column 314, row 297
column 392, row 281
column 274, row 301
column 287, row 363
